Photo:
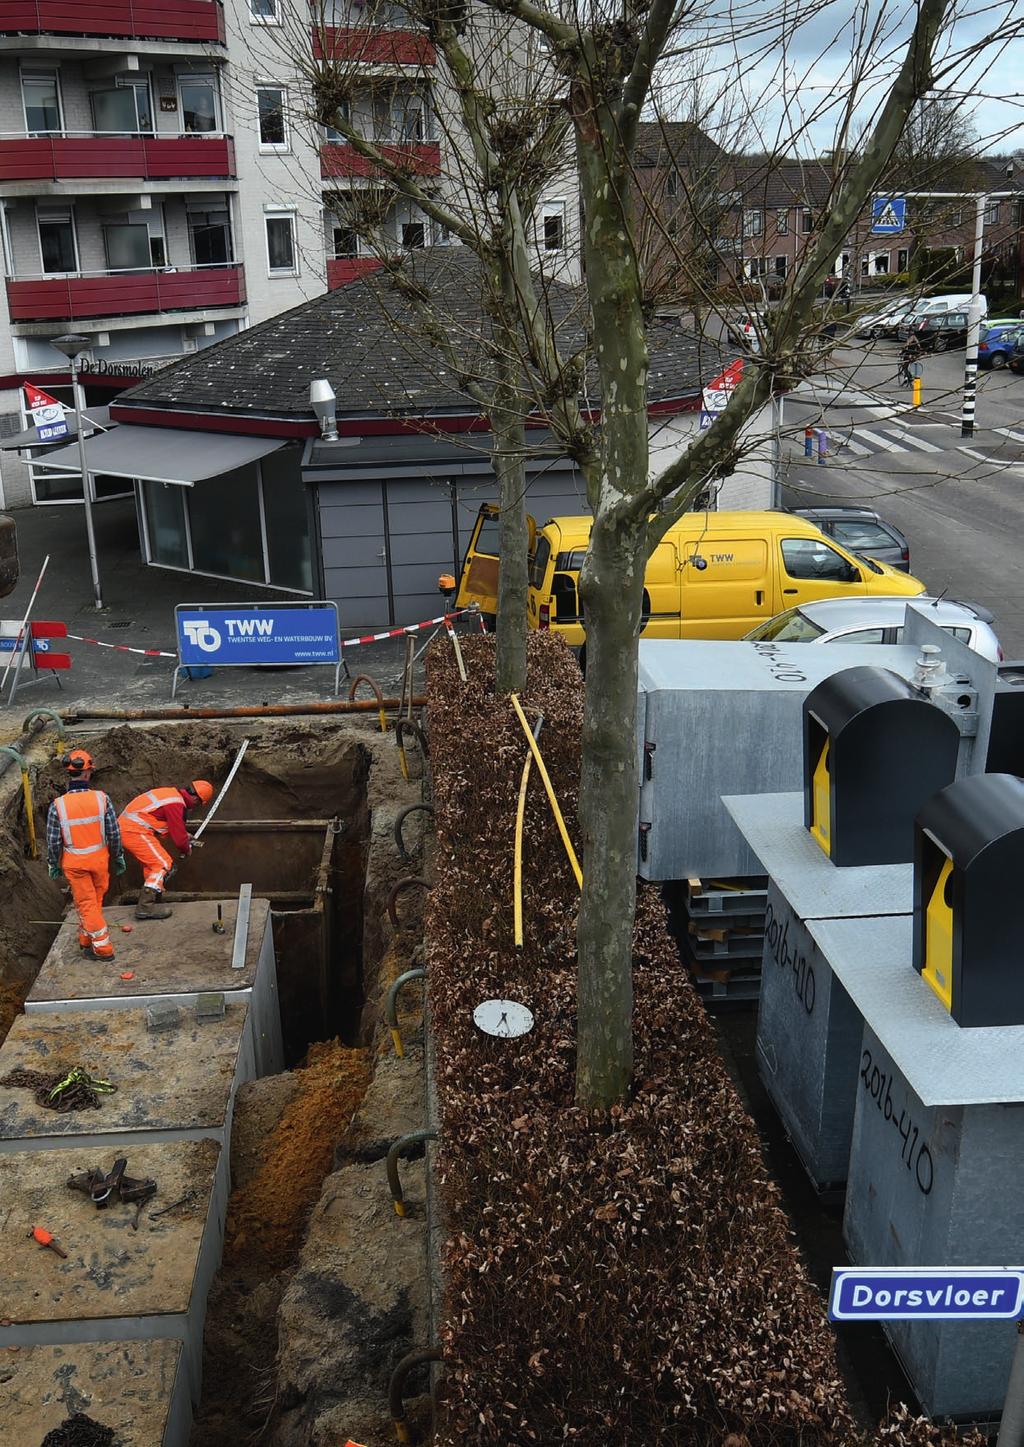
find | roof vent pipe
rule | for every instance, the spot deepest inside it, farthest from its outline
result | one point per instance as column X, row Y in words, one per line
column 322, row 400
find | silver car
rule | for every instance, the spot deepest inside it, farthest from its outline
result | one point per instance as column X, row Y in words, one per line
column 877, row 620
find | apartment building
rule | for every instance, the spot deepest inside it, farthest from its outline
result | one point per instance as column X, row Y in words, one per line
column 162, row 184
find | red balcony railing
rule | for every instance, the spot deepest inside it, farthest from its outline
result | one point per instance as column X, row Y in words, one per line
column 145, row 19
column 151, row 158
column 343, row 269
column 422, row 158
column 372, row 45
column 124, row 293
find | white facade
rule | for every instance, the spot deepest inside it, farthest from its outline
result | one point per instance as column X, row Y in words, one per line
column 159, row 195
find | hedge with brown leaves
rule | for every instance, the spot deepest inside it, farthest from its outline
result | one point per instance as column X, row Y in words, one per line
column 628, row 1282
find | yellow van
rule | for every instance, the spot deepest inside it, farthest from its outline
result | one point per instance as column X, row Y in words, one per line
column 713, row 575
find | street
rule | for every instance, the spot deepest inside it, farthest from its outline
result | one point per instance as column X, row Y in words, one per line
column 960, row 502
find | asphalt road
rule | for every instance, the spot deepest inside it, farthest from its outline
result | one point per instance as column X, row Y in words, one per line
column 960, row 502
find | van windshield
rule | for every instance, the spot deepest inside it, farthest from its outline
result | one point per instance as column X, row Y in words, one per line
column 789, row 627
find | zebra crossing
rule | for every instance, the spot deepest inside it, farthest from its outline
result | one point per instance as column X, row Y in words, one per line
column 1001, row 448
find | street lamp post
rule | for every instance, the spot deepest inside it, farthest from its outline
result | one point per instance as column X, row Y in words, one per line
column 73, row 346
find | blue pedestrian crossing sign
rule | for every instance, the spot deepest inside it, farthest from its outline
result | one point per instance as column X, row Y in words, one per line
column 888, row 214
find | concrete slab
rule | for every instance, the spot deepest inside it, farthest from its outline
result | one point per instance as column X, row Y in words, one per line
column 175, row 960
column 117, row 1283
column 942, row 1062
column 176, row 1083
column 773, row 826
column 138, row 1388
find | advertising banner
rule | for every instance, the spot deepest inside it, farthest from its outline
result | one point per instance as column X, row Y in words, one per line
column 47, row 414
column 257, row 635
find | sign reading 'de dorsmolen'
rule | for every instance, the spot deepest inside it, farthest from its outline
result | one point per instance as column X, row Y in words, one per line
column 248, row 636
column 936, row 1293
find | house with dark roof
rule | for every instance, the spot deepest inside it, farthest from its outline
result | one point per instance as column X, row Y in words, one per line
column 235, row 477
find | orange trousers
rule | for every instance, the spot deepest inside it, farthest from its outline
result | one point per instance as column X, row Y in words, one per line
column 144, row 845
column 88, row 877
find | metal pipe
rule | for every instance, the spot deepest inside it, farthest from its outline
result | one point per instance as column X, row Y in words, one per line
column 391, row 1007
column 400, row 820
column 396, row 1388
column 398, row 1147
column 267, row 710
column 397, row 889
column 270, row 826
column 46, row 713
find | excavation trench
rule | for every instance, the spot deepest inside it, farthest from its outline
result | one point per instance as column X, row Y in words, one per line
column 307, row 823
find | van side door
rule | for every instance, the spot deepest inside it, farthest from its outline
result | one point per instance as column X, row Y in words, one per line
column 726, row 585
column 811, row 568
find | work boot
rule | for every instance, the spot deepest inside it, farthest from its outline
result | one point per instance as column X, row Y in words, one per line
column 149, row 906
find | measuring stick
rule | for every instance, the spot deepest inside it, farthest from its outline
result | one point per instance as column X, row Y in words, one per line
column 22, row 636
column 226, row 786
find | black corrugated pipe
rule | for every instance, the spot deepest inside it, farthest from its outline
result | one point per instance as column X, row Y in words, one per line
column 397, row 1385
column 391, row 1007
column 400, row 820
column 398, row 1147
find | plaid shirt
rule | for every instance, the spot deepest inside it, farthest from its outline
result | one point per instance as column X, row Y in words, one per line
column 55, row 840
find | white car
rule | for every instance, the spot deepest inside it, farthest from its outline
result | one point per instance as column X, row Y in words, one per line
column 746, row 330
column 877, row 620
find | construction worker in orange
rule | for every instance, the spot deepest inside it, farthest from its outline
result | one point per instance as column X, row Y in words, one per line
column 81, row 838
column 150, row 817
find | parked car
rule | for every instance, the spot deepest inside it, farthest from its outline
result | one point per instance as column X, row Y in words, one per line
column 997, row 342
column 877, row 620
column 884, row 323
column 1016, row 358
column 746, row 330
column 938, row 306
column 860, row 530
column 942, row 331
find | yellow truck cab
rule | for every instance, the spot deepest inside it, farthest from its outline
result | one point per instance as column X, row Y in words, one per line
column 713, row 575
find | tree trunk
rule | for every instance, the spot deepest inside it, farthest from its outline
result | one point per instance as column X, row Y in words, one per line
column 611, row 584
column 509, row 441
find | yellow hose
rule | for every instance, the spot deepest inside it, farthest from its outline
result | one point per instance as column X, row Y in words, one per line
column 26, row 789
column 535, row 751
column 517, row 896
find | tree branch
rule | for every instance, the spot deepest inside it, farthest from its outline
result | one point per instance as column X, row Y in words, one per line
column 655, row 32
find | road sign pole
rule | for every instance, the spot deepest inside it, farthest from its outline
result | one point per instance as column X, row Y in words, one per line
column 94, row 567
column 1011, row 1428
column 974, row 322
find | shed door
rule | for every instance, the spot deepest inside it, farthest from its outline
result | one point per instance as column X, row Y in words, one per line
column 422, row 545
column 352, row 531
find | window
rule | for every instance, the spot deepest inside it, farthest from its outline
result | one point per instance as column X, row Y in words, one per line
column 753, row 223
column 672, row 183
column 198, row 104
column 780, row 265
column 414, row 235
column 861, row 537
column 880, row 265
column 815, row 561
column 860, row 635
column 124, row 110
column 902, row 258
column 806, row 221
column 756, row 266
column 539, row 562
column 264, row 12
column 209, row 235
column 956, row 216
column 270, row 103
column 554, row 229
column 57, row 242
column 992, row 213
column 782, row 221
column 344, row 114
column 346, row 242
column 281, row 244
column 127, row 247
column 41, row 95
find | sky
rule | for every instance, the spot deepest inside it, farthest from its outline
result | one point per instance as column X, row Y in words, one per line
column 791, row 60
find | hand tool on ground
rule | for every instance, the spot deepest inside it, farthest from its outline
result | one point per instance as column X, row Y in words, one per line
column 218, row 924
column 46, row 1241
column 100, row 1187
column 186, row 1200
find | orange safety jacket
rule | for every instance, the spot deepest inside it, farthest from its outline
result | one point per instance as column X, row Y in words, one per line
column 81, row 815
column 143, row 809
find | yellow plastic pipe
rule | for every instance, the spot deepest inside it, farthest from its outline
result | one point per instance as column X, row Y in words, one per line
column 517, row 895
column 26, row 789
column 535, row 751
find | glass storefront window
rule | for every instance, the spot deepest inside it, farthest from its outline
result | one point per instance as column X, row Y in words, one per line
column 286, row 507
column 165, row 523
column 224, row 517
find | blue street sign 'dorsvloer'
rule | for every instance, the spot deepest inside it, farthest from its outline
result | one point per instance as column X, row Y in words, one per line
column 935, row 1293
column 888, row 214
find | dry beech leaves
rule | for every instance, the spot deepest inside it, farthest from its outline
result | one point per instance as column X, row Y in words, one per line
column 624, row 1281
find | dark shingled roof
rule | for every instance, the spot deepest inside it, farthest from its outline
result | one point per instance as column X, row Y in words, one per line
column 366, row 340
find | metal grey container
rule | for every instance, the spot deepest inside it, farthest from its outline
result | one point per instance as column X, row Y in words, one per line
column 720, row 718
column 937, row 1145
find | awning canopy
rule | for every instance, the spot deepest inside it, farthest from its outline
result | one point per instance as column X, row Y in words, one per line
column 96, row 419
column 163, row 454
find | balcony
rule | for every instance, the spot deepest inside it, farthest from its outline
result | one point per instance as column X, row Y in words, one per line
column 187, row 20
column 343, row 269
column 419, row 158
column 71, row 157
column 371, row 45
column 124, row 293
